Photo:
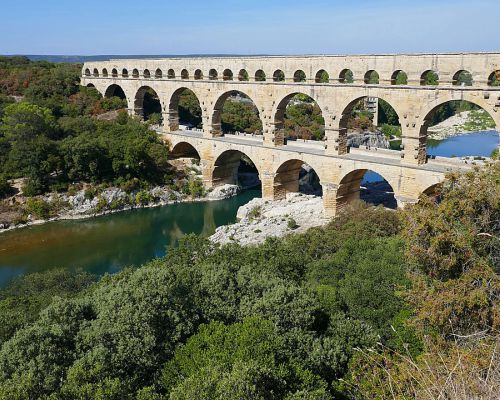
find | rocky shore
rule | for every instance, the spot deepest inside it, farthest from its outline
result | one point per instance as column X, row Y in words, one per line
column 260, row 219
column 463, row 122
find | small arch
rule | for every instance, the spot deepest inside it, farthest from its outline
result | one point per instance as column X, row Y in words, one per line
column 146, row 74
column 346, row 76
column 135, row 73
column 87, row 72
column 260, row 76
column 494, row 78
column 212, row 74
column 96, row 72
column 125, row 73
column 279, row 76
column 91, row 85
column 429, row 78
column 171, row 74
column 433, row 192
column 322, row 76
column 184, row 150
column 184, row 74
column 462, row 78
column 368, row 186
column 295, row 176
column 158, row 73
column 299, row 76
column 243, row 75
column 372, row 77
column 399, row 77
column 234, row 167
column 198, row 74
column 114, row 73
column 105, row 72
column 227, row 75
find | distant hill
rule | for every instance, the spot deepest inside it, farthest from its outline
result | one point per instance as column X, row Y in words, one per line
column 82, row 59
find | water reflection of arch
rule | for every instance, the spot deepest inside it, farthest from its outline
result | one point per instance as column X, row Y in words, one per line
column 226, row 165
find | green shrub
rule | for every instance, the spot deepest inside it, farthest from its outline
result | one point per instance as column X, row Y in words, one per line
column 38, row 207
column 5, row 188
column 255, row 213
column 101, row 205
column 292, row 224
column 143, row 198
column 196, row 188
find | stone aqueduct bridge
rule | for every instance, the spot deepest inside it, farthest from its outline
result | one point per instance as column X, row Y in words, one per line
column 273, row 81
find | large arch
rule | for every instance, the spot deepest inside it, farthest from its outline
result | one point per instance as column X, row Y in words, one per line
column 147, row 104
column 115, row 90
column 356, row 120
column 316, row 128
column 352, row 187
column 294, row 176
column 242, row 101
column 184, row 109
column 228, row 168
column 184, row 150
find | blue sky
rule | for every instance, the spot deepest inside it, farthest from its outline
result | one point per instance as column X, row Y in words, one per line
column 247, row 27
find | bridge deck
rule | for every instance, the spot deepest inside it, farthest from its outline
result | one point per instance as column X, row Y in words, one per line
column 373, row 155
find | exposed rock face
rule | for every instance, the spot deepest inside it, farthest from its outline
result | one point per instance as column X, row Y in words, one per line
column 371, row 139
column 223, row 192
column 260, row 219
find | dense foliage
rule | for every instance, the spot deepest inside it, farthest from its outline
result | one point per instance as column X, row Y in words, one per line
column 49, row 135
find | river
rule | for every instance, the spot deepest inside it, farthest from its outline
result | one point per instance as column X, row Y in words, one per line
column 109, row 243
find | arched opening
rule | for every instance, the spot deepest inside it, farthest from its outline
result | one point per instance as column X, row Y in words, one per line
column 91, row 85
column 87, row 72
column 227, row 75
column 260, row 76
column 124, row 73
column 429, row 78
column 346, row 76
column 146, row 74
column 198, row 74
column 135, row 73
column 365, row 185
column 399, row 78
column 115, row 91
column 184, row 150
column 322, row 76
column 369, row 122
column 243, row 75
column 462, row 78
column 114, row 73
column 494, row 78
column 105, row 72
column 184, row 74
column 158, row 73
column 294, row 176
column 236, row 113
column 372, row 78
column 433, row 192
column 171, row 74
column 459, row 128
column 148, row 106
column 96, row 72
column 212, row 74
column 299, row 76
column 279, row 76
column 298, row 116
column 184, row 111
column 235, row 168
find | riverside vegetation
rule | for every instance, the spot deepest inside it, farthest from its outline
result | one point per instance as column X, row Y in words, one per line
column 378, row 304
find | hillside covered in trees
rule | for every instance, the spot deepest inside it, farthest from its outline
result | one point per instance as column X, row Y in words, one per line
column 378, row 304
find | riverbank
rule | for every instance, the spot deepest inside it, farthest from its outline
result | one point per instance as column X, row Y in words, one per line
column 463, row 122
